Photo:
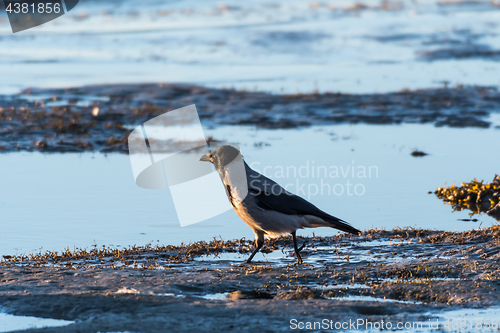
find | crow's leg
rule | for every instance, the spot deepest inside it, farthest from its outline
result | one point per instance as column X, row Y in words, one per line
column 259, row 242
column 302, row 246
column 299, row 258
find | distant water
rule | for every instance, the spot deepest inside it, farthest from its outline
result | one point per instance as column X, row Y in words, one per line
column 54, row 201
column 273, row 45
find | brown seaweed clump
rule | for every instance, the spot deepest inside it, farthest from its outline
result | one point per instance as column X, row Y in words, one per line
column 475, row 196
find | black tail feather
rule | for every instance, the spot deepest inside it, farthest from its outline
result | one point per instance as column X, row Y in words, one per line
column 342, row 225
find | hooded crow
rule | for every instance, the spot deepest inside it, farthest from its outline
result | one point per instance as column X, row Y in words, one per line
column 266, row 207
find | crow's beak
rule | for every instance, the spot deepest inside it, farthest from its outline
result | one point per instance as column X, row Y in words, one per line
column 206, row 158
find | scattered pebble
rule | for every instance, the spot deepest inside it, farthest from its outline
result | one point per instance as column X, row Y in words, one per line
column 417, row 153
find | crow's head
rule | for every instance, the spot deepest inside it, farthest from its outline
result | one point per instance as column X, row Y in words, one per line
column 221, row 157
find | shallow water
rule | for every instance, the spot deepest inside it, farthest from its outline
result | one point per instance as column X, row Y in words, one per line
column 443, row 321
column 217, row 296
column 11, row 323
column 278, row 46
column 477, row 316
column 54, row 201
column 372, row 299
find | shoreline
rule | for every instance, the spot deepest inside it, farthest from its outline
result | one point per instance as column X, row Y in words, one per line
column 400, row 274
column 99, row 118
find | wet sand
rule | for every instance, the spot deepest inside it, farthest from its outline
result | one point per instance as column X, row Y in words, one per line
column 99, row 118
column 398, row 275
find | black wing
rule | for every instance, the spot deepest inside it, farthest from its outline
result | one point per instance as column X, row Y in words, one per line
column 291, row 204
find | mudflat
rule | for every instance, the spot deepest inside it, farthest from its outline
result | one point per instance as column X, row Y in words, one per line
column 99, row 118
column 401, row 275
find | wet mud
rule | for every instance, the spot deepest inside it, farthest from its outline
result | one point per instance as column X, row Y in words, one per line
column 456, row 44
column 99, row 118
column 462, row 52
column 394, row 275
